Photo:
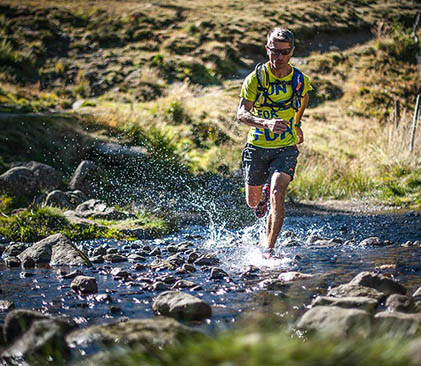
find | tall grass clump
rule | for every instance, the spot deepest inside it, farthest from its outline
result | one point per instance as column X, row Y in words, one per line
column 8, row 56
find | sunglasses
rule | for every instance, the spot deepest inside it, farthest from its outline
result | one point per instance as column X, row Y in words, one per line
column 276, row 52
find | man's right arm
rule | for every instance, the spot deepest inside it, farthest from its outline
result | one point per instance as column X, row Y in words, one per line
column 245, row 116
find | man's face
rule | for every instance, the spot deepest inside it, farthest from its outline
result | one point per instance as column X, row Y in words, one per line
column 279, row 53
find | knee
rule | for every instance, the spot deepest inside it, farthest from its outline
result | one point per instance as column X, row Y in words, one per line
column 252, row 202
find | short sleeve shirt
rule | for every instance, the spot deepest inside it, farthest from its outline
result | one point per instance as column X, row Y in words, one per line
column 262, row 137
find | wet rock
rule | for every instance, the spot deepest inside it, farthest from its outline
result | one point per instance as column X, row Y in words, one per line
column 171, row 249
column 71, row 275
column 86, row 178
column 290, row 242
column 114, row 258
column 103, row 298
column 400, row 303
column 417, row 293
column 42, row 337
column 336, row 321
column 28, row 263
column 120, row 273
column 84, row 285
column 372, row 241
column 6, row 305
column 112, row 251
column 13, row 250
column 155, row 252
column 379, row 282
column 138, row 267
column 98, row 259
column 317, row 240
column 99, row 251
column 207, row 260
column 362, row 303
column 186, row 268
column 136, row 258
column 184, row 284
column 17, row 322
column 160, row 286
column 19, row 181
column 288, row 234
column 218, row 273
column 294, row 276
column 273, row 285
column 176, row 259
column 57, row 250
column 144, row 334
column 354, row 290
column 183, row 247
column 250, row 273
column 57, row 198
column 181, row 306
column 12, row 262
column 398, row 323
column 192, row 257
column 160, row 264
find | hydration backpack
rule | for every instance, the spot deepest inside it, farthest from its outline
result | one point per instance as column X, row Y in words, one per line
column 263, row 84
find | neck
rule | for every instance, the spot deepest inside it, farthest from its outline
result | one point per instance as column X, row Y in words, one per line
column 281, row 71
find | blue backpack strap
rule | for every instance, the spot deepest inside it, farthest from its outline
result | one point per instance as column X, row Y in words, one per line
column 297, row 88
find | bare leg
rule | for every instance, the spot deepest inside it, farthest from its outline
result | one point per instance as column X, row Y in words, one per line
column 278, row 190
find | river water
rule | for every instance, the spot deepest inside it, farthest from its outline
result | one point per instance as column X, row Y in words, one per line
column 331, row 264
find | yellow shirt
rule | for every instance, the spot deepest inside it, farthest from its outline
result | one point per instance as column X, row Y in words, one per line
column 277, row 92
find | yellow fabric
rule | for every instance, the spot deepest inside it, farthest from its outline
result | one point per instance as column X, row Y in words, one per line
column 262, row 137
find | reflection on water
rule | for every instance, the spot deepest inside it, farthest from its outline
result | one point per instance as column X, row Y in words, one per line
column 42, row 289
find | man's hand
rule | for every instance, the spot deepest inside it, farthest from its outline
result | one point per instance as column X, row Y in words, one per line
column 276, row 125
column 300, row 134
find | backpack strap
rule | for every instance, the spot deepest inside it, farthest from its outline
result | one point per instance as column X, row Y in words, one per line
column 263, row 89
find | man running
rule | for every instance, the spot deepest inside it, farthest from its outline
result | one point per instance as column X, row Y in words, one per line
column 273, row 99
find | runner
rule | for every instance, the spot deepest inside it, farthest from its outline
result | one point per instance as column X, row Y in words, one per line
column 273, row 99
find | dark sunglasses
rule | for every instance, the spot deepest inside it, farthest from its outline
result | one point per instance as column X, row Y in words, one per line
column 276, row 52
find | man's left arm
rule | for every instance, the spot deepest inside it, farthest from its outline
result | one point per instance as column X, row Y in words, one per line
column 298, row 115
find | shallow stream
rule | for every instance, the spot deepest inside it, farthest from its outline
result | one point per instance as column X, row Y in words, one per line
column 331, row 264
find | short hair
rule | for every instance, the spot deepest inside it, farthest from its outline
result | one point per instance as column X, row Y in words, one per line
column 281, row 35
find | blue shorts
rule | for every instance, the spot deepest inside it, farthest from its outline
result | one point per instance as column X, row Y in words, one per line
column 260, row 163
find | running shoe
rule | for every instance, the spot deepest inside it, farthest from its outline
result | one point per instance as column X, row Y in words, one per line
column 261, row 208
column 268, row 253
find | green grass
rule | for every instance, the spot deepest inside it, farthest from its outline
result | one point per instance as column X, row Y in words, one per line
column 278, row 347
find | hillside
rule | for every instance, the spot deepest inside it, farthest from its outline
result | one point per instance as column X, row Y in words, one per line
column 176, row 67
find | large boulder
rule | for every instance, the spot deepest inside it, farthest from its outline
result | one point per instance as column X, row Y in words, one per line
column 400, row 303
column 399, row 323
column 43, row 342
column 363, row 303
column 355, row 290
column 144, row 333
column 86, row 178
column 336, row 321
column 379, row 282
column 46, row 176
column 19, row 181
column 17, row 322
column 57, row 250
column 181, row 306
